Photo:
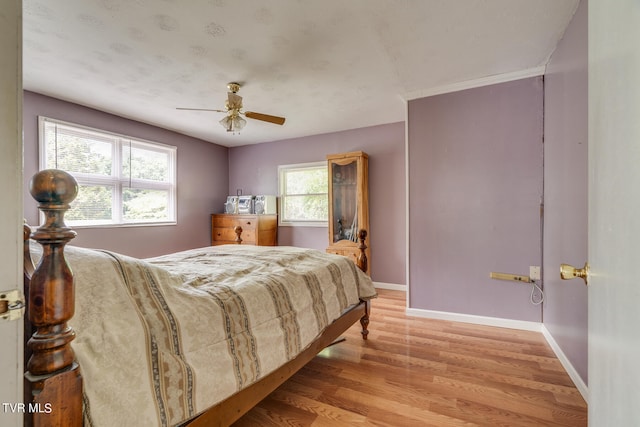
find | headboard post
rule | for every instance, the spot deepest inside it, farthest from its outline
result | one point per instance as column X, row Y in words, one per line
column 363, row 264
column 51, row 370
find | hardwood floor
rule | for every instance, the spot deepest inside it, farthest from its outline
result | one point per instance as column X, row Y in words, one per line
column 420, row 372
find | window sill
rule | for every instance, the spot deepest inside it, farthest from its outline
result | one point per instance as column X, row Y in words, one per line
column 303, row 224
column 141, row 224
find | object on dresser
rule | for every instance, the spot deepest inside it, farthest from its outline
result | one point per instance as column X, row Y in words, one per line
column 265, row 205
column 245, row 204
column 231, row 205
column 239, row 205
column 259, row 230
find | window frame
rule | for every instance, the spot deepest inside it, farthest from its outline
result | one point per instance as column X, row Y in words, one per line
column 282, row 170
column 117, row 180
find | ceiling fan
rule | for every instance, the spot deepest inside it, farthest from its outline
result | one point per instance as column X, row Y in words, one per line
column 233, row 121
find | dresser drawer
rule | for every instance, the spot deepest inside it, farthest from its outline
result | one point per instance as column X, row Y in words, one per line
column 228, row 234
column 259, row 230
column 230, row 221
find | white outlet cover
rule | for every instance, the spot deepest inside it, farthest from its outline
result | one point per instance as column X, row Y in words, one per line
column 534, row 272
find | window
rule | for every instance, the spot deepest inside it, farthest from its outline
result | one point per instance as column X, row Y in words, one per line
column 303, row 194
column 121, row 180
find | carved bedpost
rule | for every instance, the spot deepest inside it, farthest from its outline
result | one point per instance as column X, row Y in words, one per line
column 362, row 260
column 52, row 375
column 363, row 264
column 238, row 230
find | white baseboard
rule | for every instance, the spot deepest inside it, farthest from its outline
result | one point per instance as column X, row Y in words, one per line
column 390, row 286
column 479, row 320
column 566, row 364
column 511, row 324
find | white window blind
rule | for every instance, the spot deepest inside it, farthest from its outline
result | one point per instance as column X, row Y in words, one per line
column 121, row 180
column 303, row 194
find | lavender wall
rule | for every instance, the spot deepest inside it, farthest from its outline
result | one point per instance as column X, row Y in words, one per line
column 475, row 185
column 254, row 169
column 565, row 193
column 202, row 174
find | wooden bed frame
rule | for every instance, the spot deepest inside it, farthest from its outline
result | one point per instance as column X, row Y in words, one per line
column 53, row 382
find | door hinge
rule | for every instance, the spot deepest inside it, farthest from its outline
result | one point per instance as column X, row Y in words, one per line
column 11, row 305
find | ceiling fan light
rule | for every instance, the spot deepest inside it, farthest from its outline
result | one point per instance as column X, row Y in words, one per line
column 226, row 123
column 233, row 123
column 238, row 123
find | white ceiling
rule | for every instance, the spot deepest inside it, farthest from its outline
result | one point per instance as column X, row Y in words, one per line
column 326, row 65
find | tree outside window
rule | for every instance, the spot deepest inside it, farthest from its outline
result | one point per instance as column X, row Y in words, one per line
column 121, row 180
column 303, row 194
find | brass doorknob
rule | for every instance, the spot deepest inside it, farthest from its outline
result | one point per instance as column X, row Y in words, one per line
column 568, row 272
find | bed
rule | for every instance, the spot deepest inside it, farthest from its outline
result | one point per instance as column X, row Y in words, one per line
column 192, row 338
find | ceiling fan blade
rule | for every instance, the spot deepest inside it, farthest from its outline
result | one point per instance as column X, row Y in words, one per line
column 200, row 109
column 265, row 117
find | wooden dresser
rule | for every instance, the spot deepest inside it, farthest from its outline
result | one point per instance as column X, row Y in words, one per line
column 260, row 230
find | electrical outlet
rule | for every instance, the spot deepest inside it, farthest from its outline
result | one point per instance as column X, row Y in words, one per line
column 534, row 272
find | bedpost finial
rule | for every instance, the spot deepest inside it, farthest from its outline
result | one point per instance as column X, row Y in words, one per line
column 51, row 187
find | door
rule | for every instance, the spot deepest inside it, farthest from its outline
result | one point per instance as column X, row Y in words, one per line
column 614, row 213
column 11, row 366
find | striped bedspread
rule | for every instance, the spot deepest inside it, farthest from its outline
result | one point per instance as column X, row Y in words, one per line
column 163, row 339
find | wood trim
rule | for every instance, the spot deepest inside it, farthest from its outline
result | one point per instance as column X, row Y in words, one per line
column 347, row 155
column 471, row 84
